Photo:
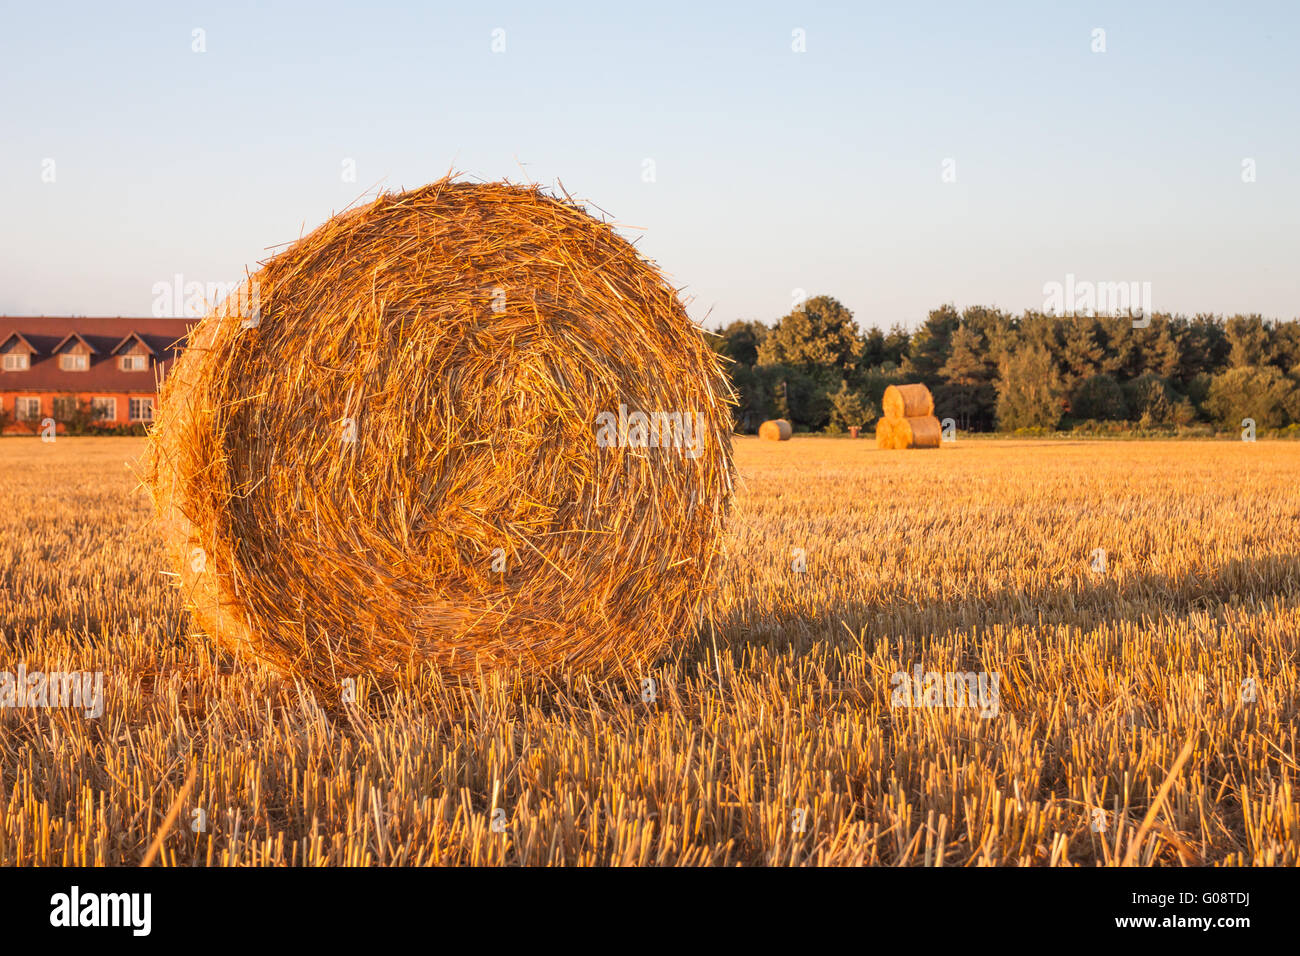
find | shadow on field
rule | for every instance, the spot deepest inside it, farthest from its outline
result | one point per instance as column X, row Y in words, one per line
column 784, row 618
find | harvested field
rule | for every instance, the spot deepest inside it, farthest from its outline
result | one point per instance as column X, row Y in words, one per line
column 771, row 737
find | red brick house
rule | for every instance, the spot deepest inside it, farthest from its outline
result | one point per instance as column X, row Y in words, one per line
column 51, row 366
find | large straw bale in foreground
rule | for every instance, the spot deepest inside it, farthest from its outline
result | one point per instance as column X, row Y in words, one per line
column 907, row 401
column 778, row 429
column 468, row 425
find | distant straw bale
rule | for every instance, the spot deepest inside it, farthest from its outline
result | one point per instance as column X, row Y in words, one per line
column 778, row 429
column 466, row 425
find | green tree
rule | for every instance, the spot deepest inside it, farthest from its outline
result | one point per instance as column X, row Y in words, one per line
column 1121, row 357
column 1166, row 372
column 1248, row 341
column 781, row 394
column 1205, row 349
column 1286, row 348
column 931, row 345
column 1152, row 402
column 1082, row 351
column 968, row 393
column 1100, row 398
column 740, row 340
column 881, row 348
column 1197, row 391
column 849, row 409
column 1258, row 392
column 873, row 382
column 818, row 335
column 1030, row 391
column 803, row 398
column 755, row 395
column 967, row 363
column 1156, row 347
column 1146, row 396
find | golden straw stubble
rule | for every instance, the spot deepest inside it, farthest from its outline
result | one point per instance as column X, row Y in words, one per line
column 468, row 425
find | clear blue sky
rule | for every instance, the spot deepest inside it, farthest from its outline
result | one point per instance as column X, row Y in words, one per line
column 774, row 170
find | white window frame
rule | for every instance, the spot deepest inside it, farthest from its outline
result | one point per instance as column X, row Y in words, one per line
column 68, row 362
column 25, row 402
column 130, row 360
column 15, row 362
column 109, row 402
column 131, row 408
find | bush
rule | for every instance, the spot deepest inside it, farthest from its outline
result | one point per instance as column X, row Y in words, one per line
column 779, row 391
column 1099, row 398
column 849, row 409
column 755, row 389
column 1092, row 426
column 1259, row 392
column 1198, row 390
column 1153, row 402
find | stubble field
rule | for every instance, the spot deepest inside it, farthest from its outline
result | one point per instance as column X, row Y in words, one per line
column 1145, row 711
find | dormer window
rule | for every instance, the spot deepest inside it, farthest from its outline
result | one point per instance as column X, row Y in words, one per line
column 15, row 362
column 134, row 354
column 74, row 353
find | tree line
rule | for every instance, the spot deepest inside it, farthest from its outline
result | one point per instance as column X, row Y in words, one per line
column 991, row 370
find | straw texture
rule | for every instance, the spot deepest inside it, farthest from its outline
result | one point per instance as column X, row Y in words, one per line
column 920, row 432
column 918, row 428
column 907, row 401
column 447, row 439
column 885, row 432
column 778, row 429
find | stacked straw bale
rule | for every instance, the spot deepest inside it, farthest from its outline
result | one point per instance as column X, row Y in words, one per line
column 909, row 420
column 445, row 436
column 778, row 429
column 907, row 401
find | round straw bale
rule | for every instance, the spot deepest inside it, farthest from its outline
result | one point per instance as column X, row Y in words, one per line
column 885, row 432
column 907, row 401
column 778, row 429
column 465, row 426
column 918, row 432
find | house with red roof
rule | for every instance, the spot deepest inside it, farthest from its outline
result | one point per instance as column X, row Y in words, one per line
column 60, row 368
